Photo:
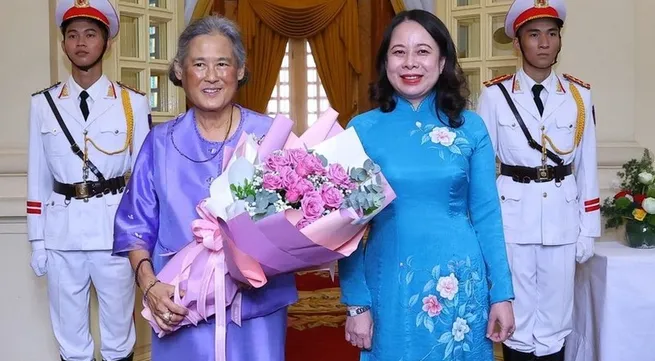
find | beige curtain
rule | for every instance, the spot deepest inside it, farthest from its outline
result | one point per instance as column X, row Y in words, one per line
column 332, row 29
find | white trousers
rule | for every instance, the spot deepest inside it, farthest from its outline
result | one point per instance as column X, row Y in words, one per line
column 543, row 279
column 70, row 274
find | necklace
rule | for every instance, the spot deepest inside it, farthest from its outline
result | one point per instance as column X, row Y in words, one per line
column 216, row 153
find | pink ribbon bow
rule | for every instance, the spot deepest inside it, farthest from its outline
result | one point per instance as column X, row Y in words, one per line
column 206, row 232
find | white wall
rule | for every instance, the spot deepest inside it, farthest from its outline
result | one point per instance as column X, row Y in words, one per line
column 607, row 43
column 24, row 25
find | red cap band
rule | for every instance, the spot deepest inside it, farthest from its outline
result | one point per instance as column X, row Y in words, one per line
column 535, row 13
column 86, row 12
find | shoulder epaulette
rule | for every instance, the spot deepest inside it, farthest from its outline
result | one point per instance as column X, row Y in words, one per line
column 573, row 79
column 497, row 80
column 130, row 88
column 46, row 89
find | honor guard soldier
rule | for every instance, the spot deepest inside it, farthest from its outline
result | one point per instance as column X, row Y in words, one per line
column 84, row 136
column 542, row 127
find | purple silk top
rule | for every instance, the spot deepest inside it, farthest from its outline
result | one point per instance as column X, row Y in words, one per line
column 171, row 175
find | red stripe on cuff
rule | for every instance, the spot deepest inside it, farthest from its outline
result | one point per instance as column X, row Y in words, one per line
column 33, row 210
column 592, row 202
column 592, row 208
column 34, row 204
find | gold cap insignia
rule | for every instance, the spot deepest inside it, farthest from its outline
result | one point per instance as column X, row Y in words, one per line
column 541, row 3
column 82, row 3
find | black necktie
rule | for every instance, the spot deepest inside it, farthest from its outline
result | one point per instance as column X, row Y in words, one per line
column 83, row 105
column 536, row 90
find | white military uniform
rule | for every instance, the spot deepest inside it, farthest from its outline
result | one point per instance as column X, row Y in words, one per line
column 548, row 225
column 77, row 234
column 544, row 222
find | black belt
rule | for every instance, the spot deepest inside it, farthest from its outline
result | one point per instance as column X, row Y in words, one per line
column 84, row 190
column 537, row 174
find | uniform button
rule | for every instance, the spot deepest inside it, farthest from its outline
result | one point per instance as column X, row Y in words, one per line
column 502, row 198
column 401, row 264
column 116, row 131
column 543, row 127
column 85, row 132
column 212, row 150
column 513, row 124
column 52, row 203
column 545, row 194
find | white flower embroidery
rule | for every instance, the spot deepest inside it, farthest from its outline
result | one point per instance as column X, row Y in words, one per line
column 443, row 136
column 448, row 286
column 460, row 328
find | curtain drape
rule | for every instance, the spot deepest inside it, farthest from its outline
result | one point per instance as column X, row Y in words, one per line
column 398, row 5
column 331, row 26
column 202, row 9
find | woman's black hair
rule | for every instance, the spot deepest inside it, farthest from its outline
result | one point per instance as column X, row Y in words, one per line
column 451, row 89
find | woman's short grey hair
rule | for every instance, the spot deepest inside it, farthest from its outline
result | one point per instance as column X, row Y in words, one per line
column 205, row 26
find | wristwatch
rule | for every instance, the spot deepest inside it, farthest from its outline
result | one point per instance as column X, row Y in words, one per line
column 354, row 311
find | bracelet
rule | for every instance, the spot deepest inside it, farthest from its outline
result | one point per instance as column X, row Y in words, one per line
column 136, row 272
column 354, row 311
column 145, row 293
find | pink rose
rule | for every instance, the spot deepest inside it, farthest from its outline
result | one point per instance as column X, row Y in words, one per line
column 292, row 196
column 304, row 223
column 272, row 182
column 331, row 196
column 312, row 205
column 296, row 156
column 289, row 177
column 277, row 160
column 337, row 174
column 432, row 306
column 303, row 186
column 302, row 170
column 314, row 164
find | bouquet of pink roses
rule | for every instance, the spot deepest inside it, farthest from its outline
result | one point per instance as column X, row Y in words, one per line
column 282, row 204
column 303, row 179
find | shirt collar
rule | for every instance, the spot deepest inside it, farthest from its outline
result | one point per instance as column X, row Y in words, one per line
column 95, row 91
column 548, row 83
column 426, row 104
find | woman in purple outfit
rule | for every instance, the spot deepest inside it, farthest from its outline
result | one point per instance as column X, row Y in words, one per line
column 173, row 172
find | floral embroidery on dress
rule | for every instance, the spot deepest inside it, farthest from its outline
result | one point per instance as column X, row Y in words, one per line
column 447, row 299
column 441, row 137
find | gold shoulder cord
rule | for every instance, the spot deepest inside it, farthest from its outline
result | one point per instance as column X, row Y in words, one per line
column 579, row 127
column 129, row 118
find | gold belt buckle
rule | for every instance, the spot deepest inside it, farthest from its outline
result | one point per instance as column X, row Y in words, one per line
column 81, row 190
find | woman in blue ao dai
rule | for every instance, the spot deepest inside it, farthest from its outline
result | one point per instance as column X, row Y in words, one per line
column 432, row 282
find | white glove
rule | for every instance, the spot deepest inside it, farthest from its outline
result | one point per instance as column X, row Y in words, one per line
column 39, row 257
column 584, row 249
